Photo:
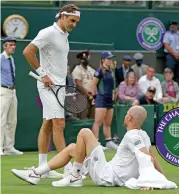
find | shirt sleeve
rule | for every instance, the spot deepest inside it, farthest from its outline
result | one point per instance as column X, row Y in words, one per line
column 158, row 90
column 42, row 39
column 134, row 141
column 76, row 74
column 142, row 85
column 98, row 74
column 166, row 38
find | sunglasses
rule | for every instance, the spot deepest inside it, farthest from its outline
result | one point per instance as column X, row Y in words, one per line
column 152, row 91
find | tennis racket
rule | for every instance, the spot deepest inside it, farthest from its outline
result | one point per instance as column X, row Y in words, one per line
column 71, row 98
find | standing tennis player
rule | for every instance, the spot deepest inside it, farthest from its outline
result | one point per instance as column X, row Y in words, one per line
column 52, row 43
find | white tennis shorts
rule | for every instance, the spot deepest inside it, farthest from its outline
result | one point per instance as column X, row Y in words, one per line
column 51, row 107
column 100, row 170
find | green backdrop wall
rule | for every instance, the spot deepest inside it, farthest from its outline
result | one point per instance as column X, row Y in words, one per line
column 96, row 25
column 104, row 25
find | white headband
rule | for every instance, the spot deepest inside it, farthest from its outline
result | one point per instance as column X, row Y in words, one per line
column 74, row 13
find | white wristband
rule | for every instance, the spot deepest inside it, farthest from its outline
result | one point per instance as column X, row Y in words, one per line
column 41, row 72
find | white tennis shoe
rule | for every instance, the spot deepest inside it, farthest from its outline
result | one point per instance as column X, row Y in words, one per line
column 53, row 175
column 27, row 175
column 69, row 181
column 69, row 168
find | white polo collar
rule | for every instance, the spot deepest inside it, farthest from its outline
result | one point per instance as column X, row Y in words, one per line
column 6, row 55
column 59, row 29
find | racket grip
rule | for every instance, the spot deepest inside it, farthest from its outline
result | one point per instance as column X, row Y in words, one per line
column 35, row 76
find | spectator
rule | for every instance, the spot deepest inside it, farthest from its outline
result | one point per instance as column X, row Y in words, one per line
column 8, row 99
column 139, row 68
column 83, row 76
column 123, row 69
column 129, row 89
column 169, row 87
column 150, row 80
column 171, row 44
column 147, row 98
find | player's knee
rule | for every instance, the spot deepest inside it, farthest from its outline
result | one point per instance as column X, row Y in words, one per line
column 72, row 147
column 85, row 132
column 59, row 124
column 47, row 126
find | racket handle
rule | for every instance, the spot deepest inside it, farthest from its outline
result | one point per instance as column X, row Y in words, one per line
column 35, row 76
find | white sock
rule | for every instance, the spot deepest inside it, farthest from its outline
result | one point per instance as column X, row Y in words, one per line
column 77, row 169
column 42, row 169
column 42, row 159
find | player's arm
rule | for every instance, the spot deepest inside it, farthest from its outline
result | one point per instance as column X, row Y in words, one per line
column 30, row 54
column 40, row 41
column 155, row 161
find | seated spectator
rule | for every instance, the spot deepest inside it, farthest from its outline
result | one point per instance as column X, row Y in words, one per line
column 150, row 80
column 139, row 68
column 122, row 70
column 170, row 88
column 129, row 89
column 147, row 98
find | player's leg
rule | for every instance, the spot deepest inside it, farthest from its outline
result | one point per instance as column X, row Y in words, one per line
column 107, row 129
column 58, row 133
column 51, row 110
column 33, row 176
column 86, row 143
column 44, row 140
column 100, row 114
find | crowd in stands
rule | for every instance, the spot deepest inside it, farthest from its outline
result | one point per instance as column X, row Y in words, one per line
column 136, row 82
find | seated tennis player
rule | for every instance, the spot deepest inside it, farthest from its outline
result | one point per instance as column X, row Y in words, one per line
column 120, row 169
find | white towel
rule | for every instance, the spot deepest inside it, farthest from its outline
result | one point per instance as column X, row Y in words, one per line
column 149, row 176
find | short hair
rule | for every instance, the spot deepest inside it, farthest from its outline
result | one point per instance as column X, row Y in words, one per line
column 150, row 67
column 69, row 8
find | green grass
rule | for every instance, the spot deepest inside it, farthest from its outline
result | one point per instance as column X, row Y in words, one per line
column 13, row 185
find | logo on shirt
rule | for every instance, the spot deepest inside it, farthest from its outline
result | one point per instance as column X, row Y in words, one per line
column 150, row 32
column 137, row 142
column 167, row 137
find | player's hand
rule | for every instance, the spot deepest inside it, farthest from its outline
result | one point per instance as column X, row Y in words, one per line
column 47, row 81
column 90, row 97
column 176, row 55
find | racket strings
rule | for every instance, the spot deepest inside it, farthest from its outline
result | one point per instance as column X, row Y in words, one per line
column 72, row 99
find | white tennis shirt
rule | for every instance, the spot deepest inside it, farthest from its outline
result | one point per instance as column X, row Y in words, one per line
column 124, row 163
column 53, row 47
